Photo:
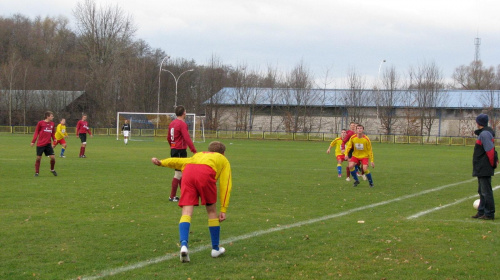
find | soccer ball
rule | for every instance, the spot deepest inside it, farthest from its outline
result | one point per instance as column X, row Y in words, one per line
column 476, row 204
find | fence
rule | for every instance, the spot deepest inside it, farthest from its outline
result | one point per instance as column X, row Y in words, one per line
column 272, row 135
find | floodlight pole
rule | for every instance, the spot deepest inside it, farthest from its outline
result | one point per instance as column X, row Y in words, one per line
column 159, row 87
column 176, row 82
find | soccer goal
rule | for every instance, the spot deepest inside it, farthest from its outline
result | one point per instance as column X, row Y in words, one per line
column 146, row 126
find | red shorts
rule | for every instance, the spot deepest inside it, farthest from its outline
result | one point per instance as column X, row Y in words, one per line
column 363, row 161
column 341, row 157
column 198, row 182
column 62, row 142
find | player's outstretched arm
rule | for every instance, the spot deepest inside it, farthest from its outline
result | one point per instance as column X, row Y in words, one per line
column 156, row 161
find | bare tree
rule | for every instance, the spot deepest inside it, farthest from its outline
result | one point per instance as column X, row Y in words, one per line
column 212, row 81
column 491, row 103
column 410, row 123
column 475, row 76
column 427, row 81
column 356, row 97
column 272, row 83
column 12, row 73
column 388, row 97
column 299, row 83
column 243, row 90
column 323, row 98
column 105, row 36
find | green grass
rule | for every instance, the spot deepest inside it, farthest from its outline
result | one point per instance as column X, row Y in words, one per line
column 290, row 217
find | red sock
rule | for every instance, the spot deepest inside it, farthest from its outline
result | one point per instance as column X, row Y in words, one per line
column 347, row 172
column 83, row 151
column 37, row 166
column 52, row 164
column 175, row 184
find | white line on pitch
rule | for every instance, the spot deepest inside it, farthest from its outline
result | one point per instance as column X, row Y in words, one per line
column 142, row 264
column 444, row 206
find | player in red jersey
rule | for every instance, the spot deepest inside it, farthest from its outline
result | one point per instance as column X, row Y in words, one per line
column 345, row 139
column 179, row 139
column 43, row 136
column 82, row 128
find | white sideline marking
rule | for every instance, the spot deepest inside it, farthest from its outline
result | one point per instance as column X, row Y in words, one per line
column 142, row 264
column 444, row 206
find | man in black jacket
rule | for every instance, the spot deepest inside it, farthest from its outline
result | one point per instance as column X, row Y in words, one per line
column 482, row 164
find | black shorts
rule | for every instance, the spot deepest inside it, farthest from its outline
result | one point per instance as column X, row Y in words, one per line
column 182, row 153
column 45, row 149
column 178, row 153
column 83, row 137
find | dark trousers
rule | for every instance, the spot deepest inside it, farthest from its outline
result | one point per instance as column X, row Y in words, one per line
column 487, row 204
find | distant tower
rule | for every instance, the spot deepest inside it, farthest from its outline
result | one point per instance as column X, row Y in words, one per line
column 477, row 42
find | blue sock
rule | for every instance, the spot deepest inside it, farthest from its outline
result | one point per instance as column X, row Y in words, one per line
column 62, row 151
column 369, row 176
column 214, row 228
column 354, row 175
column 184, row 225
column 339, row 169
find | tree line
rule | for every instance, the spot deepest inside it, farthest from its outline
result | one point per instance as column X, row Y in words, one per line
column 118, row 72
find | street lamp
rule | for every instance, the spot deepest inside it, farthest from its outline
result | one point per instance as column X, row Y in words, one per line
column 380, row 67
column 176, row 81
column 159, row 87
column 378, row 90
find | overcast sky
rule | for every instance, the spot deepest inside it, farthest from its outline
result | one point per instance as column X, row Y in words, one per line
column 324, row 34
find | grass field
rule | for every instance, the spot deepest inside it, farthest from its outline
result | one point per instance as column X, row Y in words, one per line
column 290, row 217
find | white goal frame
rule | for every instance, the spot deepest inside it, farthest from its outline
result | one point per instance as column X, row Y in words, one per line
column 192, row 129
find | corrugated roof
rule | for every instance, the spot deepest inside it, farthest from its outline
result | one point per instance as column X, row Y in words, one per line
column 466, row 99
column 54, row 99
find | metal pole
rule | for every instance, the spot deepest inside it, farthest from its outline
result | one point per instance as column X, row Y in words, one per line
column 378, row 90
column 159, row 87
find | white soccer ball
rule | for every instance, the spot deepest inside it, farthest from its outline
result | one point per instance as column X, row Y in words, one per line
column 476, row 204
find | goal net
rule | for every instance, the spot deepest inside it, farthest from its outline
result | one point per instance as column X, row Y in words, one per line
column 146, row 126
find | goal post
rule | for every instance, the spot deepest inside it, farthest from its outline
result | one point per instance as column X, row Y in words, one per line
column 144, row 126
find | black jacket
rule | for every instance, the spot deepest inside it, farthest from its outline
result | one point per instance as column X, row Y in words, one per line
column 481, row 166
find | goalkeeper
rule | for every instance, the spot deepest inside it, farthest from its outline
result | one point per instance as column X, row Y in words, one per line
column 200, row 175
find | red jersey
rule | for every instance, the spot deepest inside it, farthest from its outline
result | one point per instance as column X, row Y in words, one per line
column 45, row 132
column 348, row 136
column 82, row 127
column 178, row 136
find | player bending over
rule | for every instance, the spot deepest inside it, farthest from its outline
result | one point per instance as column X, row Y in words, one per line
column 200, row 175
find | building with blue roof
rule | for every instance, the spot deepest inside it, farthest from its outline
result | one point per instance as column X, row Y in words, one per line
column 412, row 112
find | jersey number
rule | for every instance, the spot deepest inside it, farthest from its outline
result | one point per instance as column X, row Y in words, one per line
column 172, row 134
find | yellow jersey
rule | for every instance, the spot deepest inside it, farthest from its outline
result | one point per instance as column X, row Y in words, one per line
column 61, row 132
column 338, row 142
column 217, row 162
column 362, row 147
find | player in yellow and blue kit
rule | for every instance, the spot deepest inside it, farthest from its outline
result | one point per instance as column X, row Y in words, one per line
column 337, row 143
column 362, row 153
column 199, row 181
column 60, row 135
